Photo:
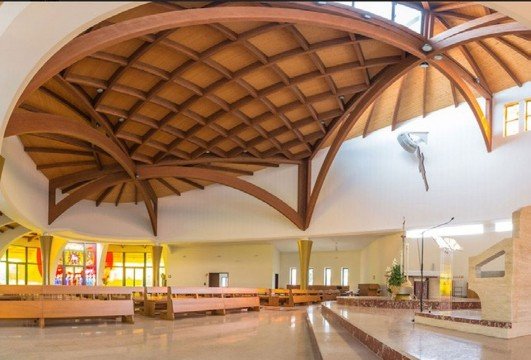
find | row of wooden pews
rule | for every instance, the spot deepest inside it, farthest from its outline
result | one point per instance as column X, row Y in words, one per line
column 66, row 302
column 40, row 303
column 292, row 297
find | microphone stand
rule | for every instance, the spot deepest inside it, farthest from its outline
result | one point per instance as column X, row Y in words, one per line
column 422, row 262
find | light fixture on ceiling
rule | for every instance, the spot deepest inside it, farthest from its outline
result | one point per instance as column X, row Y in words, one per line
column 321, row 2
column 366, row 16
column 342, row 97
column 207, row 152
column 411, row 141
column 99, row 90
column 121, row 119
column 478, row 80
column 424, row 65
column 322, row 122
column 427, row 47
column 438, row 57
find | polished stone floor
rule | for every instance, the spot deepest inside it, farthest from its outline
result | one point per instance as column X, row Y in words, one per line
column 268, row 334
column 395, row 329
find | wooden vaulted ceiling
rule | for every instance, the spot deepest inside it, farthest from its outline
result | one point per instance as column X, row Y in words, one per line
column 169, row 97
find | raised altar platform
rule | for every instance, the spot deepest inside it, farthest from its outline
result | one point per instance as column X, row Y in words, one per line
column 388, row 303
column 391, row 334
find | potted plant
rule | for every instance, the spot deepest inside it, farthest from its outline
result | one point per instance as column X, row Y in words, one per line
column 395, row 278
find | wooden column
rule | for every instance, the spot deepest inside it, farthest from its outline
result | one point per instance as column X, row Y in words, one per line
column 305, row 250
column 157, row 253
column 46, row 251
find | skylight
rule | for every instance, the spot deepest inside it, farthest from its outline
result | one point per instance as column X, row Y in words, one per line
column 399, row 13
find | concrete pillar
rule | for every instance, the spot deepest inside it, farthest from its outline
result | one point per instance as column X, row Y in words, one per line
column 305, row 250
column 46, row 251
column 157, row 252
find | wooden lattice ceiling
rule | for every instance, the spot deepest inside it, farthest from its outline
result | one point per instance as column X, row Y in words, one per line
column 169, row 97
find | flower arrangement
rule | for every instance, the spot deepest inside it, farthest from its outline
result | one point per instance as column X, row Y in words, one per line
column 395, row 278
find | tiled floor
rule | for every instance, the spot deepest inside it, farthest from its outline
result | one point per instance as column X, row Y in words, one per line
column 268, row 334
column 395, row 329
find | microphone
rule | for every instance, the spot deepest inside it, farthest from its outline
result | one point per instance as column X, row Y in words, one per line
column 436, row 226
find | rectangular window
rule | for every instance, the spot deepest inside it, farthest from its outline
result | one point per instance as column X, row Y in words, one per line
column 293, row 276
column 528, row 115
column 327, row 276
column 381, row 8
column 310, row 276
column 408, row 16
column 344, row 276
column 511, row 123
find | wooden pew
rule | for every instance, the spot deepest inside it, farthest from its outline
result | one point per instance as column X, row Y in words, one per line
column 194, row 299
column 241, row 298
column 155, row 300
column 329, row 295
column 264, row 295
column 304, row 296
column 64, row 302
column 280, row 297
column 212, row 299
column 20, row 302
column 138, row 298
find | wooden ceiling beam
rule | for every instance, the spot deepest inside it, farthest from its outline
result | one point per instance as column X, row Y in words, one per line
column 25, row 122
column 369, row 118
column 514, row 47
column 119, row 196
column 454, row 5
column 191, row 183
column 55, row 165
column 51, row 150
column 394, row 121
column 500, row 62
column 150, row 172
column 169, row 186
column 84, row 175
column 238, row 172
column 466, row 53
column 56, row 209
column 464, row 37
column 67, row 140
column 104, row 195
column 69, row 188
column 233, row 160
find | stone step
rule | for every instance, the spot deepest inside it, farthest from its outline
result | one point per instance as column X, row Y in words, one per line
column 333, row 342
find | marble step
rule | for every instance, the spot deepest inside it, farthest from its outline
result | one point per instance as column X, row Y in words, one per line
column 333, row 342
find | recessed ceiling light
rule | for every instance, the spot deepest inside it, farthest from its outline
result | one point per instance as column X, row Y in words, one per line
column 98, row 124
column 321, row 2
column 207, row 152
column 99, row 90
column 424, row 64
column 341, row 97
column 438, row 57
column 322, row 122
column 121, row 119
column 427, row 47
column 478, row 80
column 245, row 151
column 367, row 16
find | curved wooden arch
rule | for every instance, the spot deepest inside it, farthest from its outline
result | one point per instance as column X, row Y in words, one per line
column 151, row 172
column 27, row 122
column 94, row 41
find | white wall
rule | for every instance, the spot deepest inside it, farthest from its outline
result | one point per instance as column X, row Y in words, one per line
column 248, row 265
column 319, row 260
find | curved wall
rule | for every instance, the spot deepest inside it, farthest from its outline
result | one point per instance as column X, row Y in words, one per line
column 371, row 185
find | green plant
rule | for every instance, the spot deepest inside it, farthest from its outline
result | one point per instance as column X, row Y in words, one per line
column 394, row 275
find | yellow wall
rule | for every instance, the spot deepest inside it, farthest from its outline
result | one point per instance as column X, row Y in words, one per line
column 377, row 256
column 318, row 261
column 247, row 265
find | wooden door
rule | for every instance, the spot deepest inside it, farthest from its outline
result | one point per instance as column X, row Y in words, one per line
column 213, row 279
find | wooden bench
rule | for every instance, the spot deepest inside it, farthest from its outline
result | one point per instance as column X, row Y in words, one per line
column 304, row 297
column 65, row 302
column 241, row 298
column 212, row 299
column 280, row 297
column 155, row 300
column 329, row 295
